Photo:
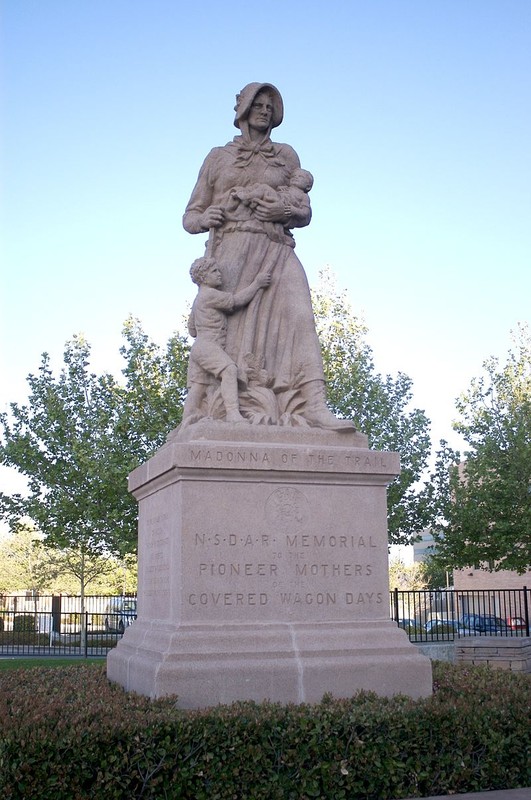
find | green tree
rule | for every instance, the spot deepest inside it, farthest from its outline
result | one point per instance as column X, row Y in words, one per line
column 485, row 500
column 25, row 564
column 406, row 577
column 76, row 440
column 80, row 435
column 379, row 406
column 121, row 578
column 102, row 574
column 63, row 440
column 437, row 574
column 154, row 392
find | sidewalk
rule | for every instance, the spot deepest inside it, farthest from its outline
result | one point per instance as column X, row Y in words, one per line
column 501, row 794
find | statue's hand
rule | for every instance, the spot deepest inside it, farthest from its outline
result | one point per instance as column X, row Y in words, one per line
column 213, row 217
column 269, row 210
column 263, row 279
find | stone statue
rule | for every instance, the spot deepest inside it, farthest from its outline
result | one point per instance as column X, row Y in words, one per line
column 208, row 325
column 249, row 195
column 294, row 196
column 263, row 553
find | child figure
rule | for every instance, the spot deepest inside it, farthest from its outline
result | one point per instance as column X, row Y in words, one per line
column 294, row 196
column 208, row 325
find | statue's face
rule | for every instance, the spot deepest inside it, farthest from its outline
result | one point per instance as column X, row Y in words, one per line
column 213, row 277
column 261, row 112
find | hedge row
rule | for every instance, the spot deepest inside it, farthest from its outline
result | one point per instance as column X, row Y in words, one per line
column 68, row 734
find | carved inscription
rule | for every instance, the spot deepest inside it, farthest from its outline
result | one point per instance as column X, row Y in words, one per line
column 247, row 570
column 228, row 599
column 333, row 570
column 156, row 572
column 239, row 457
column 282, row 565
column 322, row 540
column 309, row 459
column 232, row 539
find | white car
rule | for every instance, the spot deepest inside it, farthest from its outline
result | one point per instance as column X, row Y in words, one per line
column 119, row 614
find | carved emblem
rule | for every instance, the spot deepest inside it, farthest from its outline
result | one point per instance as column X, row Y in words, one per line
column 287, row 509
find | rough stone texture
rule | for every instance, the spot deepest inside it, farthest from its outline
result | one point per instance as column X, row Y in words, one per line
column 249, row 198
column 263, row 568
column 209, row 362
column 263, row 572
column 437, row 651
column 513, row 653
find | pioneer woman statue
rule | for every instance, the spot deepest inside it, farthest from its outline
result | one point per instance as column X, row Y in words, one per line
column 272, row 340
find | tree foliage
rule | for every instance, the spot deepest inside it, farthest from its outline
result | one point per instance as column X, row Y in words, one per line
column 78, row 437
column 485, row 501
column 63, row 440
column 24, row 561
column 406, row 577
column 379, row 406
column 436, row 574
column 26, row 564
column 154, row 392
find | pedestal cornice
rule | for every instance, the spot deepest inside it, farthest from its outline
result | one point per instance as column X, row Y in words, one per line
column 295, row 454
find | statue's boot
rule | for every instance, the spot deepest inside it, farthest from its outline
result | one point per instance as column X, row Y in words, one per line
column 317, row 413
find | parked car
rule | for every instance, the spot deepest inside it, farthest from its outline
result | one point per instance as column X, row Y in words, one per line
column 484, row 623
column 516, row 623
column 120, row 613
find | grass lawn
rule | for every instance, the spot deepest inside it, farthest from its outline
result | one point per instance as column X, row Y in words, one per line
column 51, row 661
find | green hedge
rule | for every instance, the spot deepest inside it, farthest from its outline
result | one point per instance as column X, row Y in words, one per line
column 24, row 623
column 67, row 734
column 19, row 638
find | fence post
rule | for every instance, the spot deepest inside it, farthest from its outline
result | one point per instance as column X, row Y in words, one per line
column 86, row 634
column 526, row 612
column 395, row 599
column 56, row 613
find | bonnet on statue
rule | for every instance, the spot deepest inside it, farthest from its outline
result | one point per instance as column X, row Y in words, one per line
column 245, row 99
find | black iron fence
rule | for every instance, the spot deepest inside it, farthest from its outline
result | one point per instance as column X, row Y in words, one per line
column 59, row 625
column 445, row 615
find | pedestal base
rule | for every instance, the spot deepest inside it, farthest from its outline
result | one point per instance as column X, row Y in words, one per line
column 295, row 663
column 263, row 574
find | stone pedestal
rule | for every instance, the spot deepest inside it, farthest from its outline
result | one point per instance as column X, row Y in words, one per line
column 263, row 571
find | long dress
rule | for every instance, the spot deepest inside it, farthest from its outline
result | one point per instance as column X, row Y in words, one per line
column 277, row 329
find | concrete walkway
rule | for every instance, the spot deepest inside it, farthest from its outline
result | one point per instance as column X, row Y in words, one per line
column 502, row 794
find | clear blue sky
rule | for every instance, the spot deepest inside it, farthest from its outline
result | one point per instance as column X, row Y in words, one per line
column 413, row 115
